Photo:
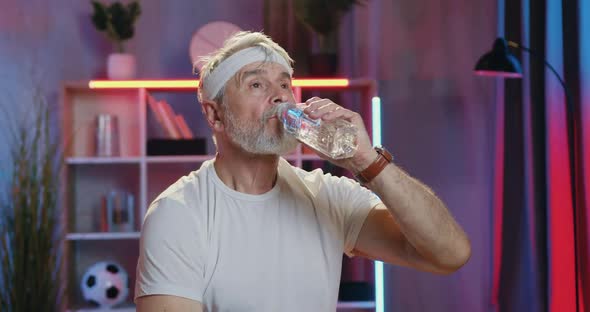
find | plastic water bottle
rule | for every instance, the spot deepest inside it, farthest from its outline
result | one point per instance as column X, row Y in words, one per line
column 337, row 139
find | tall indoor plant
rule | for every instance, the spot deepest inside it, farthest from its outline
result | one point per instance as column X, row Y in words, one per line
column 31, row 234
column 323, row 18
column 117, row 21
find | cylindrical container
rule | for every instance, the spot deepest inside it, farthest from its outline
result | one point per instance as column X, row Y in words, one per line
column 336, row 139
column 107, row 135
column 120, row 211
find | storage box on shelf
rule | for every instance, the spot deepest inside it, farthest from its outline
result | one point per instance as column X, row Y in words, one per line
column 89, row 178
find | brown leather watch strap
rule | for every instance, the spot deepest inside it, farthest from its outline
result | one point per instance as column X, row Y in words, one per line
column 384, row 158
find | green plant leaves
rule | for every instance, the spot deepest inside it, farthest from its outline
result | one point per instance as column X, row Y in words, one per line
column 134, row 11
column 116, row 20
column 31, row 237
column 99, row 18
column 122, row 22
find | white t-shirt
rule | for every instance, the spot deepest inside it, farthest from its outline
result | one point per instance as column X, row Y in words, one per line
column 278, row 251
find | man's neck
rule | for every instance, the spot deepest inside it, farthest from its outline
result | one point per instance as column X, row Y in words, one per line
column 247, row 173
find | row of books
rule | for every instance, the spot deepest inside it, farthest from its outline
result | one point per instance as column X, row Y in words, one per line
column 173, row 125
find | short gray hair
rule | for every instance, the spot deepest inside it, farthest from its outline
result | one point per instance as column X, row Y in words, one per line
column 239, row 41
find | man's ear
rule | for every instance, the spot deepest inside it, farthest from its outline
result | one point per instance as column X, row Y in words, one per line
column 212, row 112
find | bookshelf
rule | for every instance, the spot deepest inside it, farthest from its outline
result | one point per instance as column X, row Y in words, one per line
column 342, row 306
column 88, row 179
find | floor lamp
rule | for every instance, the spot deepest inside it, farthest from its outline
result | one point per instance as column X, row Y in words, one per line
column 501, row 63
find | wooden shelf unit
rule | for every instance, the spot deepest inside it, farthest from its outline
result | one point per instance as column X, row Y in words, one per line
column 88, row 178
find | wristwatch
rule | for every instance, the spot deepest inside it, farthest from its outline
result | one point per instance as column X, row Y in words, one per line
column 384, row 158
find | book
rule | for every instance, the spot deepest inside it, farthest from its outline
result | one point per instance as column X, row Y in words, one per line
column 173, row 125
column 168, row 118
column 153, row 105
column 185, row 131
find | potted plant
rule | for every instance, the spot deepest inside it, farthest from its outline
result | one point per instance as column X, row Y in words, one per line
column 117, row 22
column 31, row 236
column 323, row 18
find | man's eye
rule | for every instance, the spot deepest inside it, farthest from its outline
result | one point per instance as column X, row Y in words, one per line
column 256, row 85
column 285, row 86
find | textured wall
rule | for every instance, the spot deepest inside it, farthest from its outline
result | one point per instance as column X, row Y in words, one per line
column 439, row 124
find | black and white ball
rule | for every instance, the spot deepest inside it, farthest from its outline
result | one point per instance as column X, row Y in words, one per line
column 105, row 284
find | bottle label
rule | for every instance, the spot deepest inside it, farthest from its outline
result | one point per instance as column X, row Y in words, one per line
column 294, row 120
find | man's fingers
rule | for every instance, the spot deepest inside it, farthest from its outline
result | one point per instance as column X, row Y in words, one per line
column 327, row 110
column 312, row 100
column 338, row 114
column 315, row 104
column 322, row 108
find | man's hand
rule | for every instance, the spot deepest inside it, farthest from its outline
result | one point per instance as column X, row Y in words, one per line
column 327, row 111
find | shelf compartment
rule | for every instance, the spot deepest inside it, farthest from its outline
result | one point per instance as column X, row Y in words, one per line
column 81, row 109
column 87, row 185
column 83, row 254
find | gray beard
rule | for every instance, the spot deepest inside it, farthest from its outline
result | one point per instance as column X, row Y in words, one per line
column 252, row 137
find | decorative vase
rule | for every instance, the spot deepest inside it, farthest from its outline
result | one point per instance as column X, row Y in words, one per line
column 121, row 66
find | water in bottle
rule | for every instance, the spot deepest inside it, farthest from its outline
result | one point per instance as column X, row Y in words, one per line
column 336, row 139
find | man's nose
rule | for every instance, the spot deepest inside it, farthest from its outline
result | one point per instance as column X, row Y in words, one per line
column 280, row 96
column 279, row 99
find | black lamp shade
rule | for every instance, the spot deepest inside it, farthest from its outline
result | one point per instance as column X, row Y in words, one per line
column 499, row 62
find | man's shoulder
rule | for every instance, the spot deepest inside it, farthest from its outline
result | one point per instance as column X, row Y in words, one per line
column 290, row 171
column 314, row 174
column 176, row 212
column 315, row 181
column 184, row 191
column 303, row 173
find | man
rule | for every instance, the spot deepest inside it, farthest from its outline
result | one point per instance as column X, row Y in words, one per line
column 249, row 232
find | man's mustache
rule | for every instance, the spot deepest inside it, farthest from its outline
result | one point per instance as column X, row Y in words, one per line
column 269, row 113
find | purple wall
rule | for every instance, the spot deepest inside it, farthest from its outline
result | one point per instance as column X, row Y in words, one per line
column 43, row 43
column 439, row 124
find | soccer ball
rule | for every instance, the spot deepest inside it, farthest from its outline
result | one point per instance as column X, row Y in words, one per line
column 105, row 284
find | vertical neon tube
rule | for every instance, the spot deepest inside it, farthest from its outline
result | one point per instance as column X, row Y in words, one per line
column 379, row 285
column 376, row 115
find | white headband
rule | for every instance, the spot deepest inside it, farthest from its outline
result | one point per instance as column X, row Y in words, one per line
column 230, row 66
